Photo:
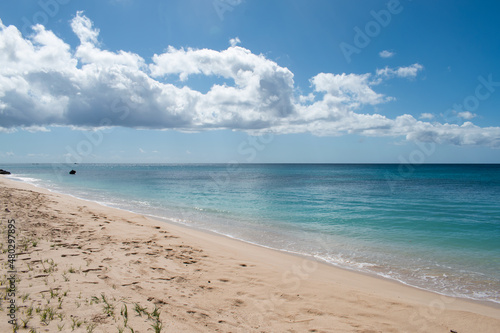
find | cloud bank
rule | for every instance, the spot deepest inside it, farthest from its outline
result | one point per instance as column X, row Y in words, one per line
column 44, row 82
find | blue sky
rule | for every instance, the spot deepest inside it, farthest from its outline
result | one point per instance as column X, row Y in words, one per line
column 249, row 81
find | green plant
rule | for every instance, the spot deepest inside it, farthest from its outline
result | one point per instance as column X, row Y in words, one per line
column 47, row 315
column 157, row 326
column 140, row 310
column 91, row 327
column 29, row 311
column 124, row 313
column 155, row 313
column 25, row 322
column 75, row 323
column 51, row 268
column 108, row 308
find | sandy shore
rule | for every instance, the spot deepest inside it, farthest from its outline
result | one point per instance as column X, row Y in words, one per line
column 83, row 267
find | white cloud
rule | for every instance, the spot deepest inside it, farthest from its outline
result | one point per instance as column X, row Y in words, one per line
column 43, row 82
column 234, row 41
column 353, row 89
column 466, row 115
column 83, row 28
column 35, row 128
column 89, row 53
column 386, row 54
column 466, row 134
column 403, row 72
column 427, row 116
column 307, row 99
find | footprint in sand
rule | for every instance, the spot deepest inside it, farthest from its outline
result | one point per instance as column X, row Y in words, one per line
column 238, row 302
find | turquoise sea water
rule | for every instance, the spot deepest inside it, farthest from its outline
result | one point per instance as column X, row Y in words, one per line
column 436, row 227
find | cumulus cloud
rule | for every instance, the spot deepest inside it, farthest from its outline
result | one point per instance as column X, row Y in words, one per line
column 426, row 116
column 83, row 28
column 386, row 54
column 466, row 115
column 402, row 72
column 234, row 41
column 352, row 89
column 44, row 82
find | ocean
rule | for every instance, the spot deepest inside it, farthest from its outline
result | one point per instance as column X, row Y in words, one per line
column 435, row 227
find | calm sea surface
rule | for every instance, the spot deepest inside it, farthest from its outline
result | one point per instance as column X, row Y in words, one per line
column 436, row 227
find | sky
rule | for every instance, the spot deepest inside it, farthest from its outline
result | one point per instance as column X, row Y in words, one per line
column 249, row 81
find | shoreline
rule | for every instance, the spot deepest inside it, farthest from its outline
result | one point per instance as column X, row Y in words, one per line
column 319, row 261
column 263, row 289
column 171, row 221
column 487, row 303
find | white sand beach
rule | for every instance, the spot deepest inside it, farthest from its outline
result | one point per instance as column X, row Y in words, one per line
column 84, row 267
